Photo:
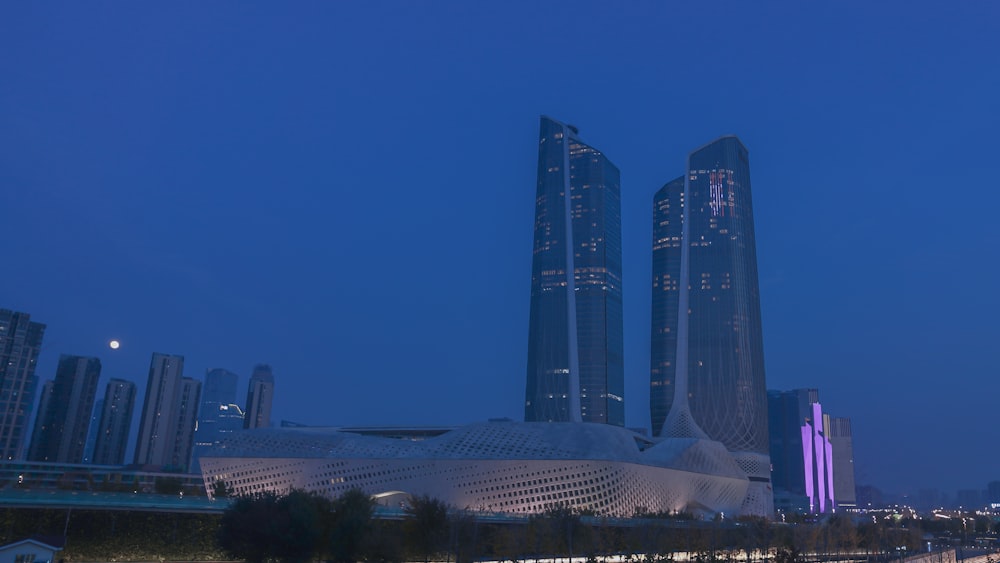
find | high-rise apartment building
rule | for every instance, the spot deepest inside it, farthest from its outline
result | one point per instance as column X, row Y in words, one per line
column 20, row 343
column 95, row 425
column 218, row 414
column 575, row 347
column 160, row 411
column 65, row 408
column 115, row 423
column 260, row 392
column 706, row 319
column 187, row 423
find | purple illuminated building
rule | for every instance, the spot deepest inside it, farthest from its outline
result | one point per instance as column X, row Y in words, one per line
column 801, row 452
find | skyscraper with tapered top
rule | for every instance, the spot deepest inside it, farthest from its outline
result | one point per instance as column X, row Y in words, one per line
column 575, row 349
column 707, row 347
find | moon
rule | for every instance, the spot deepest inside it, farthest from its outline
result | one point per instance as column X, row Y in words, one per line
column 114, row 344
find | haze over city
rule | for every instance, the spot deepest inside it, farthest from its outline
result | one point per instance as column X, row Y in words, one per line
column 346, row 192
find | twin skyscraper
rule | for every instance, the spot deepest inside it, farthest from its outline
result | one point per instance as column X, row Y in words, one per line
column 707, row 360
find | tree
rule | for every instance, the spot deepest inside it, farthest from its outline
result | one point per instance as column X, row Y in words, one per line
column 220, row 489
column 559, row 528
column 300, row 523
column 426, row 526
column 265, row 526
column 351, row 526
column 245, row 531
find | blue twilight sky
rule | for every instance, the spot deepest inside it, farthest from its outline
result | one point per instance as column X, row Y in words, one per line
column 345, row 191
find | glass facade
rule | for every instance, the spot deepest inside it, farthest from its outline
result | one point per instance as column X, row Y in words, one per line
column 725, row 356
column 115, row 423
column 20, row 342
column 218, row 414
column 64, row 411
column 575, row 349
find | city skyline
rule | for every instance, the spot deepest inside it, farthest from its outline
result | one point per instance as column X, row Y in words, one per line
column 246, row 186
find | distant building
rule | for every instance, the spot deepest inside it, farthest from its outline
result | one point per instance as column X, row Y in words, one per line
column 187, row 422
column 801, row 453
column 115, row 423
column 160, row 412
column 970, row 499
column 260, row 392
column 20, row 342
column 64, row 411
column 839, row 434
column 44, row 399
column 929, row 499
column 993, row 492
column 706, row 321
column 869, row 496
column 575, row 347
column 218, row 415
column 93, row 429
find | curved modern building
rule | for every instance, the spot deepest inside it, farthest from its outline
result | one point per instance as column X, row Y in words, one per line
column 706, row 323
column 497, row 466
column 575, row 349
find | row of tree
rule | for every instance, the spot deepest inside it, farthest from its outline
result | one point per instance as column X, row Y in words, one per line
column 302, row 526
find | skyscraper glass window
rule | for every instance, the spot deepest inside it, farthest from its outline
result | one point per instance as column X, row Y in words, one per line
column 718, row 346
column 115, row 422
column 20, row 343
column 64, row 411
column 575, row 350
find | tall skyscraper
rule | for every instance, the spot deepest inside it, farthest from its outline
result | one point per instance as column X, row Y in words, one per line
column 115, row 423
column 838, row 431
column 64, row 413
column 218, row 414
column 187, row 422
column 260, row 392
column 160, row 411
column 706, row 312
column 575, row 348
column 20, row 342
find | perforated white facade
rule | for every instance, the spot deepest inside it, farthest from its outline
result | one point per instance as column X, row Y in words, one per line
column 505, row 467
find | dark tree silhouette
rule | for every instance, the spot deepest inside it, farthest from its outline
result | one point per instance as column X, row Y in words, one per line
column 426, row 526
column 245, row 531
column 351, row 526
column 265, row 527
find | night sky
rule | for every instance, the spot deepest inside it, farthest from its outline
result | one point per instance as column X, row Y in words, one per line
column 346, row 191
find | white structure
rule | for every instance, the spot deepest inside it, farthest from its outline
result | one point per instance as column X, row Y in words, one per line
column 28, row 551
column 498, row 466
